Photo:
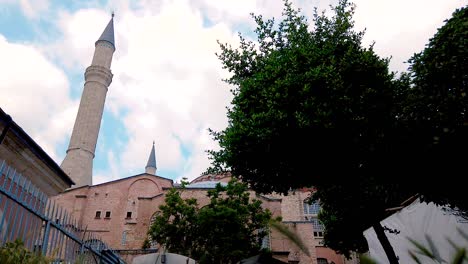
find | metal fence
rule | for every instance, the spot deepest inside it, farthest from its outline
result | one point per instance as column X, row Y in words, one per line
column 29, row 215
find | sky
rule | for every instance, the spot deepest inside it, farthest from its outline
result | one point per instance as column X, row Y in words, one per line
column 167, row 83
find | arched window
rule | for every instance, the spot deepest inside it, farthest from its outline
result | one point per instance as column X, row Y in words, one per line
column 266, row 239
column 153, row 243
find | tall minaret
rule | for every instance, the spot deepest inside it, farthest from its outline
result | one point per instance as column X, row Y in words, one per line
column 78, row 163
column 151, row 165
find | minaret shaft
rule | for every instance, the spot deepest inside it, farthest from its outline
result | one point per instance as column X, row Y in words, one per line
column 78, row 163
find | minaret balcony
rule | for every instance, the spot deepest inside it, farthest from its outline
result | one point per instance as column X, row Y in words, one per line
column 98, row 74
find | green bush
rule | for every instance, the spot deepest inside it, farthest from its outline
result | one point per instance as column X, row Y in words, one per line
column 15, row 252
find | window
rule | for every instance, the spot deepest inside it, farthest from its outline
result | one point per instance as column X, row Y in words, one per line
column 316, row 224
column 153, row 243
column 124, row 238
column 266, row 240
column 322, row 261
column 98, row 214
column 129, row 215
column 311, row 209
column 108, row 214
column 318, row 234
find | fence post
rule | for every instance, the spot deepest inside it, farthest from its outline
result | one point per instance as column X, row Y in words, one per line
column 45, row 239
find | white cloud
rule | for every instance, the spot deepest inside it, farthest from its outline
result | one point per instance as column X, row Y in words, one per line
column 80, row 32
column 167, row 80
column 113, row 173
column 400, row 28
column 35, row 93
column 30, row 8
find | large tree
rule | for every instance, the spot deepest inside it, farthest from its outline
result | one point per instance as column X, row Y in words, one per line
column 313, row 108
column 229, row 228
column 437, row 113
column 317, row 108
column 305, row 103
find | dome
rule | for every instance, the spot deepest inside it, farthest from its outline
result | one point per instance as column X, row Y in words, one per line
column 205, row 185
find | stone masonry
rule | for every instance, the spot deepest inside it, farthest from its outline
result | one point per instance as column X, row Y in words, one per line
column 78, row 163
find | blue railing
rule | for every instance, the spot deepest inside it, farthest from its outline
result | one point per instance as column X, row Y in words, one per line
column 29, row 215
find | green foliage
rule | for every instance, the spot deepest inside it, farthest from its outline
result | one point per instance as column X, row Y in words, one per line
column 437, row 112
column 304, row 102
column 316, row 108
column 146, row 244
column 312, row 108
column 15, row 252
column 176, row 226
column 226, row 230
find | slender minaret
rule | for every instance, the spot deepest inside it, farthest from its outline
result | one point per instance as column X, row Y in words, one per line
column 78, row 163
column 151, row 165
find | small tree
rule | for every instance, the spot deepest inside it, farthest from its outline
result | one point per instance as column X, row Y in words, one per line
column 226, row 230
column 176, row 226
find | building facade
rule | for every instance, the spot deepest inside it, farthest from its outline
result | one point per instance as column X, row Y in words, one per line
column 121, row 212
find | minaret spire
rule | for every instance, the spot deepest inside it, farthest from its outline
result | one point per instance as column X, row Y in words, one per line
column 151, row 165
column 108, row 33
column 78, row 163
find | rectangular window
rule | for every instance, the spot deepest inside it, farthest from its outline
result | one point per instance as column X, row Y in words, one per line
column 108, row 214
column 129, row 215
column 316, row 224
column 322, row 261
column 98, row 214
column 318, row 234
column 311, row 209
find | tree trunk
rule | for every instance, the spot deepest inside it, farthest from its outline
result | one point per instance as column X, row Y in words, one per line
column 379, row 231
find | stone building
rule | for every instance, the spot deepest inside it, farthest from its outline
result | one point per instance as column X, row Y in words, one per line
column 121, row 211
column 22, row 153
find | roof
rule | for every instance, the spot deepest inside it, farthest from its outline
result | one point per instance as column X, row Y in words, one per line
column 33, row 146
column 152, row 159
column 108, row 34
column 205, row 185
column 121, row 179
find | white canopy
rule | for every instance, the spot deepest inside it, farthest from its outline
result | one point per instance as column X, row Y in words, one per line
column 416, row 221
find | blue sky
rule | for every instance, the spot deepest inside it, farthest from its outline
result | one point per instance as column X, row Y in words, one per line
column 167, row 80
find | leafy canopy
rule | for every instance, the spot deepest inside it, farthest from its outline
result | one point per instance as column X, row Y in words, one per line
column 316, row 108
column 229, row 228
column 305, row 103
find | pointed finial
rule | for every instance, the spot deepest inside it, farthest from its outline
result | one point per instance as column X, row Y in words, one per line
column 153, row 142
column 108, row 34
column 113, row 14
